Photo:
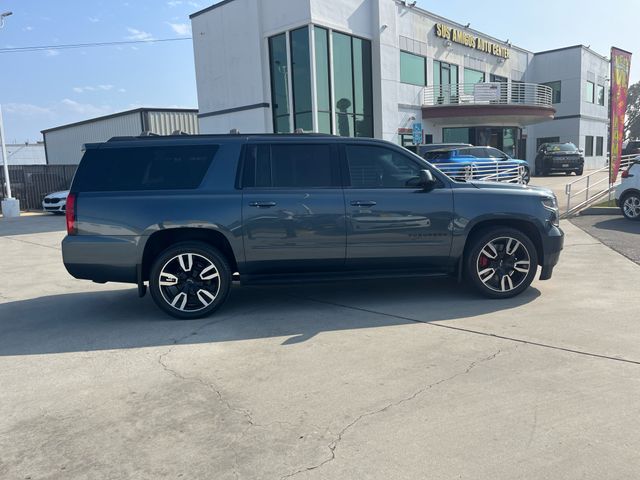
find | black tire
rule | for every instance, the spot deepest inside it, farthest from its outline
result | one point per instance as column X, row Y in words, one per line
column 579, row 171
column 630, row 205
column 477, row 261
column 187, row 298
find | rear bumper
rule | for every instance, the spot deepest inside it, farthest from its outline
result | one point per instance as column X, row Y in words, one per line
column 552, row 244
column 101, row 258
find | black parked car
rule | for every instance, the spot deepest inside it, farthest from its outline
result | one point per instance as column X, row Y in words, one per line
column 559, row 157
column 631, row 148
column 184, row 213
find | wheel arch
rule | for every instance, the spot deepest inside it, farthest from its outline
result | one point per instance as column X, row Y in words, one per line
column 526, row 227
column 162, row 239
column 628, row 191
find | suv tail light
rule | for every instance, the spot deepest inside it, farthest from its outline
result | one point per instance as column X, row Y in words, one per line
column 626, row 173
column 71, row 214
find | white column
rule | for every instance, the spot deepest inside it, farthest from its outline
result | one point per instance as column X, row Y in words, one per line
column 10, row 206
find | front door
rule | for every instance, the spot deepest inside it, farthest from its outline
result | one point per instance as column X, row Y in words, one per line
column 292, row 208
column 391, row 224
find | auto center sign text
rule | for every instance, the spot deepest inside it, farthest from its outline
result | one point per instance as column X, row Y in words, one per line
column 463, row 38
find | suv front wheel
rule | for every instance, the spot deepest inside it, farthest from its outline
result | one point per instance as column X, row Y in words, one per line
column 190, row 280
column 501, row 262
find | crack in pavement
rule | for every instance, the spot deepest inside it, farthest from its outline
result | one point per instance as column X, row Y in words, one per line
column 32, row 243
column 244, row 413
column 334, row 443
column 435, row 323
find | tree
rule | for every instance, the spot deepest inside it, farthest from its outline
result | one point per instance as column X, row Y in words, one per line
column 632, row 123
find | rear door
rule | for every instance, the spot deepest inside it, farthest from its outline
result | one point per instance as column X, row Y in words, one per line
column 292, row 208
column 389, row 223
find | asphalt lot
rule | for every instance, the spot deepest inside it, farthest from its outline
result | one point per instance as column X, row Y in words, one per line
column 404, row 379
column 614, row 231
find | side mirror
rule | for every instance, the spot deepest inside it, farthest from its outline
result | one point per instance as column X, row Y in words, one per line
column 426, row 179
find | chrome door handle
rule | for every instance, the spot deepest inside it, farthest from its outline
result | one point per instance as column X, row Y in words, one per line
column 361, row 203
column 262, row 204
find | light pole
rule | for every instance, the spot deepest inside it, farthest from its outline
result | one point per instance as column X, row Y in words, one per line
column 3, row 16
column 10, row 206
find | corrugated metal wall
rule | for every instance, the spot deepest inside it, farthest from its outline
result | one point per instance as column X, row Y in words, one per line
column 165, row 123
column 64, row 146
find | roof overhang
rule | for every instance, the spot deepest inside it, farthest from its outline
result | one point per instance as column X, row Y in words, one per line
column 489, row 115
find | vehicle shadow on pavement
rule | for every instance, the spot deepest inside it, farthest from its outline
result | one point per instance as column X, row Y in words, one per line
column 619, row 225
column 118, row 319
column 28, row 225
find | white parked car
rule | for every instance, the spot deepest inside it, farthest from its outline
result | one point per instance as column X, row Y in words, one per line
column 55, row 202
column 628, row 192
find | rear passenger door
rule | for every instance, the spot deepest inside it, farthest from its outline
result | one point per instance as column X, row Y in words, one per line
column 390, row 224
column 292, row 208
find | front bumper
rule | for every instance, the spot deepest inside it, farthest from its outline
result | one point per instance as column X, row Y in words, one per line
column 552, row 244
column 54, row 207
column 566, row 165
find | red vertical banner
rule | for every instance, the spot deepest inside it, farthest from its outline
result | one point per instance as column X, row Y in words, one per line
column 620, row 65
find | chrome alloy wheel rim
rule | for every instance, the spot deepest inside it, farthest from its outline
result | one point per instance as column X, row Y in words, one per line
column 631, row 207
column 189, row 282
column 503, row 264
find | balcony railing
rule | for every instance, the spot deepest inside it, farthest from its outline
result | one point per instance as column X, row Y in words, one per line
column 489, row 93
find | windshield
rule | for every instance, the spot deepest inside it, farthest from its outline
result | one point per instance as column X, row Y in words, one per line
column 561, row 147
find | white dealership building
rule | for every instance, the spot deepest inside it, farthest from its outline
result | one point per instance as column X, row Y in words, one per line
column 388, row 69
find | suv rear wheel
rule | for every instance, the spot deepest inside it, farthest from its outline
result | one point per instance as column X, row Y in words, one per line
column 190, row 280
column 501, row 262
column 630, row 205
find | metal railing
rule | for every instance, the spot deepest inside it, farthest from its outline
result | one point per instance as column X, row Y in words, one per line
column 484, row 171
column 590, row 188
column 488, row 93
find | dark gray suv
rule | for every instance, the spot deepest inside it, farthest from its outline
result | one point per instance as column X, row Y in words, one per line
column 186, row 213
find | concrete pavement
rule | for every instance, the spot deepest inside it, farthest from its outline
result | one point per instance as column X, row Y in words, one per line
column 394, row 379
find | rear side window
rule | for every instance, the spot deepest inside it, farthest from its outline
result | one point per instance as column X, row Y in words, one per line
column 143, row 168
column 290, row 166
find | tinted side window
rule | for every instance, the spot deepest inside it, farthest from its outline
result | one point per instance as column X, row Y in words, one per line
column 143, row 168
column 435, row 155
column 379, row 167
column 290, row 166
column 477, row 152
column 494, row 153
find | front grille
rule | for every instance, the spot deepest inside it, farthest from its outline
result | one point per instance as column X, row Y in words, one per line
column 52, row 200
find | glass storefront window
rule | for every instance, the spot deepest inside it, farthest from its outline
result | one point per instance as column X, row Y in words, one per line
column 456, row 135
column 472, row 76
column 352, row 85
column 323, row 89
column 413, row 69
column 445, row 76
column 350, row 112
column 279, row 68
column 556, row 91
column 589, row 88
column 301, row 79
column 600, row 94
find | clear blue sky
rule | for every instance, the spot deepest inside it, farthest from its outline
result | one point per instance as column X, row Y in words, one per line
column 39, row 90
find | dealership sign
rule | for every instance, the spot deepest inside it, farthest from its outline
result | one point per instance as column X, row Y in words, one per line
column 456, row 35
column 620, row 65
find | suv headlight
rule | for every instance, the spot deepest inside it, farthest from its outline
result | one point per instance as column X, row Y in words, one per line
column 551, row 204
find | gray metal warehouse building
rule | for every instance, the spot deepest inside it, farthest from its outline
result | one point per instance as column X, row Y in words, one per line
column 63, row 144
